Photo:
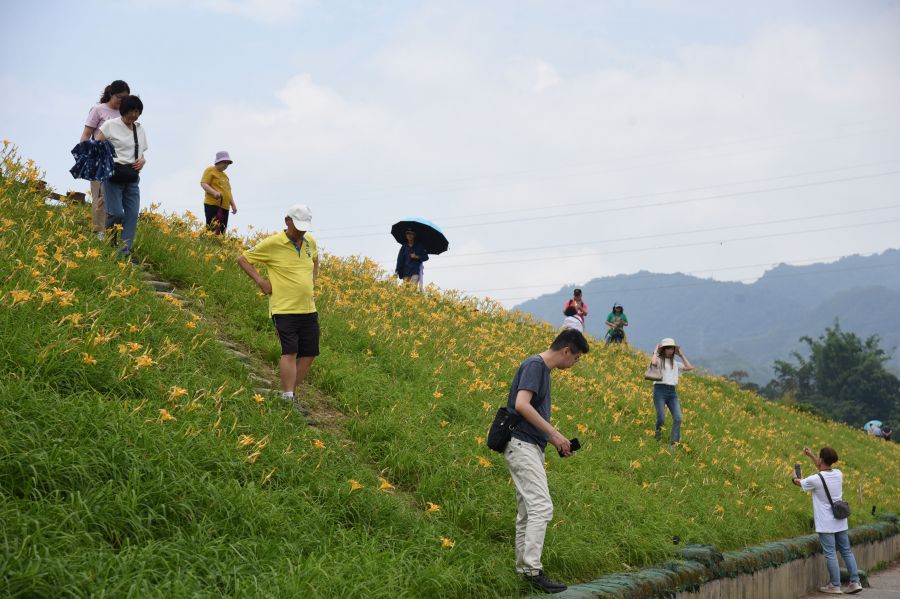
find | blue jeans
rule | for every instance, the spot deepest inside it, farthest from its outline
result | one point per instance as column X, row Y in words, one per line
column 829, row 540
column 123, row 202
column 665, row 395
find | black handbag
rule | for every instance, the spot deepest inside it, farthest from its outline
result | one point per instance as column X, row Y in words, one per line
column 840, row 508
column 126, row 173
column 505, row 422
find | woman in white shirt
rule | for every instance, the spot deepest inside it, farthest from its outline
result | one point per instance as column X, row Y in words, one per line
column 664, row 394
column 571, row 320
column 832, row 531
column 122, row 192
column 106, row 109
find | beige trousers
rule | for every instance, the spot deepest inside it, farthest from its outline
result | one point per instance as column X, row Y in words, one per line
column 98, row 208
column 526, row 466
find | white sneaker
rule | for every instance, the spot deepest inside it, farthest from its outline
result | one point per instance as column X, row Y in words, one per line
column 830, row 589
column 101, row 235
column 853, row 587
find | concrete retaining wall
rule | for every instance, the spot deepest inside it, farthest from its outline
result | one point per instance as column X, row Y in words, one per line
column 780, row 570
column 796, row 578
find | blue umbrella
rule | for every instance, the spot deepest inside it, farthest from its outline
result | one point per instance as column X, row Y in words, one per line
column 93, row 160
column 870, row 424
column 427, row 233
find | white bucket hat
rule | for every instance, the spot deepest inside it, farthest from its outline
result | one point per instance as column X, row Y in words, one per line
column 668, row 342
column 302, row 216
column 223, row 157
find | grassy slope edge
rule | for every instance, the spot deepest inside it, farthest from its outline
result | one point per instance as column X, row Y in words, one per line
column 103, row 494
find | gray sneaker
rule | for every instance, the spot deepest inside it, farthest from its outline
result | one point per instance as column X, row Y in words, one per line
column 830, row 589
column 853, row 587
column 295, row 402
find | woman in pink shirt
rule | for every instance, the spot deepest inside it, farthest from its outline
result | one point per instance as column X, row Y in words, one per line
column 107, row 109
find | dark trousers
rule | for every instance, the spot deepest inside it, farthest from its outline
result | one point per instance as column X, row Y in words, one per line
column 216, row 218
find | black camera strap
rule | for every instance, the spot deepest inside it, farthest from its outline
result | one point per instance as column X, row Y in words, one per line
column 827, row 494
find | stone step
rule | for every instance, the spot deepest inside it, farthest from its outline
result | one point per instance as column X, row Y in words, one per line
column 239, row 355
column 259, row 379
column 226, row 343
column 183, row 300
column 159, row 285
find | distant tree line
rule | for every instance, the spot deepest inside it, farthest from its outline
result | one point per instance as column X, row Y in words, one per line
column 843, row 378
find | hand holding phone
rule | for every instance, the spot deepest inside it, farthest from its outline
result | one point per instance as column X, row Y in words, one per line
column 797, row 471
column 575, row 445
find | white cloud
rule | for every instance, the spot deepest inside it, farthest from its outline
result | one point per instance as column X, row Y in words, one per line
column 438, row 135
column 454, row 117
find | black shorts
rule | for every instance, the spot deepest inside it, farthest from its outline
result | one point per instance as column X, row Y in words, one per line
column 219, row 215
column 298, row 333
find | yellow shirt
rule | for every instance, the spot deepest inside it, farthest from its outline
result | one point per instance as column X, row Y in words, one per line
column 290, row 272
column 219, row 181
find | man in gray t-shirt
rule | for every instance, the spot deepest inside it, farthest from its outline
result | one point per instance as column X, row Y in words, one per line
column 533, row 375
column 529, row 396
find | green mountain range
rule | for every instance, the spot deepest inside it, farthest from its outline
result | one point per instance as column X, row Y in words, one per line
column 726, row 326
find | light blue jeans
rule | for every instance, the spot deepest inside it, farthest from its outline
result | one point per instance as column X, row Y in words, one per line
column 665, row 395
column 842, row 541
column 123, row 203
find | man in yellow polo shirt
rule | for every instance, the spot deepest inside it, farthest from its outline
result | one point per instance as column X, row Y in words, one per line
column 292, row 260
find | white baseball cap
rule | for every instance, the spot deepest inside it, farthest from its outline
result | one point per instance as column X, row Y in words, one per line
column 302, row 216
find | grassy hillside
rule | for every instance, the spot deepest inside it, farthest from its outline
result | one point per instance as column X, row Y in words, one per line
column 136, row 460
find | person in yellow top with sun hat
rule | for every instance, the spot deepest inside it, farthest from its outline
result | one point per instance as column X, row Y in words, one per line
column 218, row 198
column 292, row 261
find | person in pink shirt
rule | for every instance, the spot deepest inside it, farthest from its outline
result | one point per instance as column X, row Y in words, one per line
column 105, row 110
column 579, row 305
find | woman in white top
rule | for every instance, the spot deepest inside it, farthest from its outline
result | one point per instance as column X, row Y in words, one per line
column 664, row 393
column 106, row 109
column 832, row 531
column 122, row 191
column 571, row 320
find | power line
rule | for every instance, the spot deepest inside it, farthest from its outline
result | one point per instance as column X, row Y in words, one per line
column 642, row 195
column 695, row 272
column 710, row 282
column 673, row 246
column 510, row 174
column 642, row 206
column 688, row 190
column 691, row 232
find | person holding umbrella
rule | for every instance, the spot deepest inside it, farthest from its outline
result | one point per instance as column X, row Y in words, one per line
column 418, row 239
column 410, row 258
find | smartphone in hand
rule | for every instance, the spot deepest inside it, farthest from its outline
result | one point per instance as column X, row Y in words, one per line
column 797, row 471
column 575, row 445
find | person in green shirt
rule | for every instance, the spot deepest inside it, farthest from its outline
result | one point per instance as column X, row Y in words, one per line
column 616, row 321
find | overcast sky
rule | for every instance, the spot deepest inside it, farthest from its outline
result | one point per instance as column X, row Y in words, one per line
column 554, row 142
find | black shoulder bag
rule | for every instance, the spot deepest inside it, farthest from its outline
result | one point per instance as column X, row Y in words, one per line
column 840, row 508
column 126, row 173
column 505, row 422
